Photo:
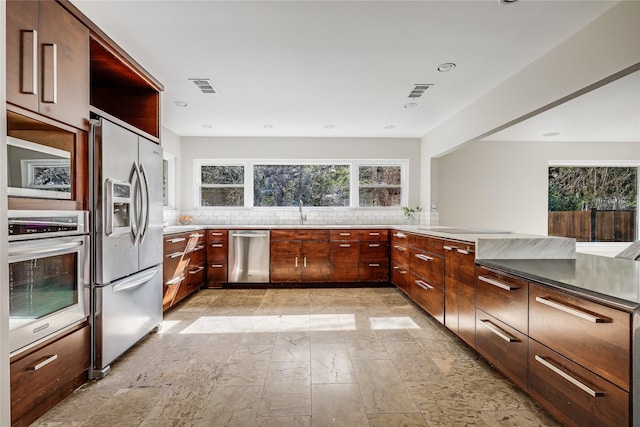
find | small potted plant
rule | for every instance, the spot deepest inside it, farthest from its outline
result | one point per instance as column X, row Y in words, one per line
column 411, row 215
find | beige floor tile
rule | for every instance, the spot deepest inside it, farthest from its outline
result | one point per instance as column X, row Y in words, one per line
column 518, row 418
column 282, row 400
column 382, row 389
column 245, row 372
column 232, row 406
column 331, row 363
column 292, row 346
column 294, row 421
column 365, row 345
column 397, row 420
column 337, row 405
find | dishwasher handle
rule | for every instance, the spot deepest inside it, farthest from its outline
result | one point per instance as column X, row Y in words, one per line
column 249, row 235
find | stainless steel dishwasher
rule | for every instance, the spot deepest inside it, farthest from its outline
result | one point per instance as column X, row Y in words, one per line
column 248, row 256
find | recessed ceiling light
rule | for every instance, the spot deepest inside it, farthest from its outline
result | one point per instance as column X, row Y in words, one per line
column 329, row 126
column 389, row 126
column 410, row 105
column 447, row 66
column 207, row 126
column 268, row 126
column 551, row 134
column 180, row 103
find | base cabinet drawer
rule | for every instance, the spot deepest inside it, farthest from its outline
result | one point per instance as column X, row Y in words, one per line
column 373, row 271
column 574, row 395
column 429, row 297
column 216, row 274
column 43, row 377
column 504, row 347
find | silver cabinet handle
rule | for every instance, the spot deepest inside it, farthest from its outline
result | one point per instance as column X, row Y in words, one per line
column 174, row 281
column 197, row 248
column 374, row 265
column 591, row 392
column 497, row 331
column 449, row 248
column 400, row 248
column 217, row 245
column 464, row 251
column 304, row 259
column 345, row 245
column 400, row 235
column 197, row 235
column 424, row 257
column 215, row 233
column 423, row 285
column 29, row 62
column 174, row 255
column 44, row 363
column 570, row 310
column 249, row 235
column 374, row 245
column 497, row 284
column 177, row 239
column 217, row 265
column 345, row 234
column 197, row 270
column 373, row 234
column 296, row 262
column 50, row 73
column 399, row 269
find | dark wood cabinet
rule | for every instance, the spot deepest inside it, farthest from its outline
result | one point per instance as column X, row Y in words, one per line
column 298, row 256
column 459, row 289
column 217, row 256
column 44, row 375
column 504, row 297
column 48, row 61
column 183, row 266
column 344, row 261
column 373, row 265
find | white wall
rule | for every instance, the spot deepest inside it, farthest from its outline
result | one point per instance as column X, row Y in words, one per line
column 606, row 46
column 4, row 274
column 500, row 184
column 297, row 148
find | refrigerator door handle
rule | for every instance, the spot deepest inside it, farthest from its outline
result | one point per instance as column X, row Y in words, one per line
column 134, row 281
column 136, row 230
column 146, row 202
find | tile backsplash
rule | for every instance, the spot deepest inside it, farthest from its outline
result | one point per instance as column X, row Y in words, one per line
column 292, row 217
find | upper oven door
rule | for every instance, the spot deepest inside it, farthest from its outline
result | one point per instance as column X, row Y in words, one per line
column 48, row 287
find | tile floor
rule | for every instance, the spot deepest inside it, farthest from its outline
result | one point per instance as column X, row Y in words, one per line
column 298, row 357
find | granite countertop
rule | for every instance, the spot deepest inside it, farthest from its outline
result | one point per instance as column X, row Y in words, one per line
column 611, row 280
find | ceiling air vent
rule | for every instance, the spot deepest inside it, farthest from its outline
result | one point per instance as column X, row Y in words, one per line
column 418, row 90
column 204, row 85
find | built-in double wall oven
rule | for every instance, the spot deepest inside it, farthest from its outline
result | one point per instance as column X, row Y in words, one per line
column 48, row 274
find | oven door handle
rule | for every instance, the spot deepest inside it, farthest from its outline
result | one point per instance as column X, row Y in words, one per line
column 134, row 281
column 44, row 249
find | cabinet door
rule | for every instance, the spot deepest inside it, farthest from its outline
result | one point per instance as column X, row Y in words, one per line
column 344, row 259
column 316, row 261
column 451, row 287
column 467, row 295
column 64, row 65
column 22, row 54
column 286, row 261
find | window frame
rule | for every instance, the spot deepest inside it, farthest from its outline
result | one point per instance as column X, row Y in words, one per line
column 171, row 181
column 603, row 163
column 354, row 181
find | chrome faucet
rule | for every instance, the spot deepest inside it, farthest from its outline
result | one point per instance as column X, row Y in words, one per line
column 303, row 217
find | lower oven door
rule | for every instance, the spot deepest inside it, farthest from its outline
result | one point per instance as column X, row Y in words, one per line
column 48, row 287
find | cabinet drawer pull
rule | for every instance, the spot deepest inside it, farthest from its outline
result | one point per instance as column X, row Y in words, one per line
column 304, row 261
column 345, row 234
column 449, row 248
column 497, row 284
column 400, row 235
column 570, row 310
column 374, row 265
column 29, row 62
column 44, row 363
column 296, row 262
column 374, row 245
column 174, row 281
column 197, row 270
column 424, row 257
column 176, row 240
column 400, row 248
column 50, row 73
column 197, row 235
column 399, row 269
column 215, row 233
column 217, row 245
column 174, row 255
column 547, row 364
column 497, row 331
column 424, row 285
column 197, row 248
column 217, row 265
column 374, row 234
column 464, row 251
column 345, row 245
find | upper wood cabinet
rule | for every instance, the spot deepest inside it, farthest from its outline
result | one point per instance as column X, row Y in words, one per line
column 48, row 61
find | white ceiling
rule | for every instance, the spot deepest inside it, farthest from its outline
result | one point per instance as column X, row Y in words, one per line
column 302, row 65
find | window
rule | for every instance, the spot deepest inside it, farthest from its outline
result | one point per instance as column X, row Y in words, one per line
column 593, row 203
column 380, row 185
column 222, row 185
column 315, row 185
column 283, row 184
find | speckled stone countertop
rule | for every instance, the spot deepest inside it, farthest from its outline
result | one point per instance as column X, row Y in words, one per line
column 611, row 280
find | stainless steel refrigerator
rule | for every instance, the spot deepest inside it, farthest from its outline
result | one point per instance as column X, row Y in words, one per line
column 126, row 238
